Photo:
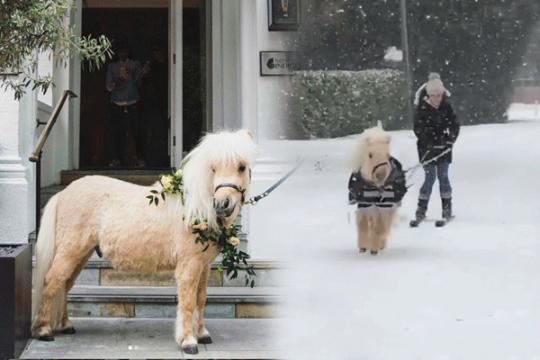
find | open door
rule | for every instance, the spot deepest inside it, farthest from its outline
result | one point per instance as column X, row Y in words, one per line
column 141, row 28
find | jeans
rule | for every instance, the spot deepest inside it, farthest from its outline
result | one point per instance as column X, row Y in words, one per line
column 432, row 171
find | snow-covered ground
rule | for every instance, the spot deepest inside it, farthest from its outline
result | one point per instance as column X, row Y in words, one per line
column 470, row 290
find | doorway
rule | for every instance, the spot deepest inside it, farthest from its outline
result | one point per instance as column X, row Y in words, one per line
column 144, row 28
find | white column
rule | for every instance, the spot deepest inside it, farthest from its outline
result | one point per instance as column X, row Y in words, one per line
column 226, row 104
column 249, row 66
column 16, row 172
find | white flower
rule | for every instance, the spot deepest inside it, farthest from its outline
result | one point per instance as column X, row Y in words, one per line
column 166, row 181
column 233, row 240
column 178, row 172
column 202, row 226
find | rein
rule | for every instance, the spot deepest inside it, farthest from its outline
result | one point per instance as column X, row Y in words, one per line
column 255, row 199
column 267, row 192
column 422, row 162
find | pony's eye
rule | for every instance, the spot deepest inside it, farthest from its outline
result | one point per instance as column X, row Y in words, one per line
column 370, row 155
column 242, row 168
column 213, row 170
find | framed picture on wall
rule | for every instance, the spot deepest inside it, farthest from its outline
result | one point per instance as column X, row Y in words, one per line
column 283, row 15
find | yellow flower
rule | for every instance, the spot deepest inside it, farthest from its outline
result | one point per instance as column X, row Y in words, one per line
column 233, row 240
column 202, row 226
column 166, row 181
column 178, row 172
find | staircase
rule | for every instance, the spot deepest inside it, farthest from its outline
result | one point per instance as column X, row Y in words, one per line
column 101, row 291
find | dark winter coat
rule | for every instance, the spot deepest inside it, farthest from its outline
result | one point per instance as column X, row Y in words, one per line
column 366, row 194
column 436, row 129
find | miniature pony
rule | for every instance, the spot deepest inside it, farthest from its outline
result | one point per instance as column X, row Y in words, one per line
column 376, row 185
column 115, row 216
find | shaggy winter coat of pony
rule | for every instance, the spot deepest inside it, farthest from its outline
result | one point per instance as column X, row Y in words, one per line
column 135, row 236
column 375, row 175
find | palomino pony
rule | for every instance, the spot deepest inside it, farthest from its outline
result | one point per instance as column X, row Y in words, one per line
column 377, row 185
column 135, row 236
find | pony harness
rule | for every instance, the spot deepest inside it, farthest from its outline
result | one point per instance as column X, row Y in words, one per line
column 366, row 194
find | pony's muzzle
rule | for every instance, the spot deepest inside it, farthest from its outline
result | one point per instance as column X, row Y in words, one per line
column 224, row 208
column 380, row 173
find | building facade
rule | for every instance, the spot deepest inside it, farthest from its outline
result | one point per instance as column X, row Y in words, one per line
column 219, row 39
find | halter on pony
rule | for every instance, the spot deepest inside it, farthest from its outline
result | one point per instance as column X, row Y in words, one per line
column 232, row 186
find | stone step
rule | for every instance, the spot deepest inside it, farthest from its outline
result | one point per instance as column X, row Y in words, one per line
column 160, row 301
column 102, row 338
column 140, row 177
column 48, row 192
column 100, row 272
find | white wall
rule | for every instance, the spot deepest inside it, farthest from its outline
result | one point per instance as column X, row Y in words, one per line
column 271, row 90
column 264, row 100
column 17, row 119
column 241, row 97
column 49, row 172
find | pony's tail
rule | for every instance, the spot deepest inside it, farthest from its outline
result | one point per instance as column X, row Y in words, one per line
column 45, row 250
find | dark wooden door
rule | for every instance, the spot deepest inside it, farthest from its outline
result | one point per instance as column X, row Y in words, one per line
column 145, row 31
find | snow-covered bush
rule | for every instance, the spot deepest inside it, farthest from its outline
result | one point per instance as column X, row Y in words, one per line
column 339, row 103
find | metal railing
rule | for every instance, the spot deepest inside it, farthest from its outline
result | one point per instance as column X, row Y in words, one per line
column 38, row 150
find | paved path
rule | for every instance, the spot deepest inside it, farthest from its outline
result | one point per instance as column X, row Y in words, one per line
column 153, row 339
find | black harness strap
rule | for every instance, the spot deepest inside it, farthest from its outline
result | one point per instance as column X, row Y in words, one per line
column 232, row 186
column 379, row 165
column 367, row 194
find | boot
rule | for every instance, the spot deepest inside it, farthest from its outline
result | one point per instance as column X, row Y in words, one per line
column 421, row 209
column 447, row 208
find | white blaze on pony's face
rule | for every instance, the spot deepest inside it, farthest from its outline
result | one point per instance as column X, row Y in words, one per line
column 372, row 155
column 217, row 177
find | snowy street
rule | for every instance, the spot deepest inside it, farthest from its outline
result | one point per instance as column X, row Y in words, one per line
column 469, row 290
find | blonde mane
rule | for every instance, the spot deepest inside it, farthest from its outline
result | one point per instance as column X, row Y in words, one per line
column 218, row 148
column 370, row 137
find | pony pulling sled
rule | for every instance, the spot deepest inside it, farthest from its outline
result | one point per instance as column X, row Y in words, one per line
column 377, row 185
column 113, row 215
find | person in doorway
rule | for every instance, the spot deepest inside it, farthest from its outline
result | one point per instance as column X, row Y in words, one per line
column 437, row 128
column 123, row 80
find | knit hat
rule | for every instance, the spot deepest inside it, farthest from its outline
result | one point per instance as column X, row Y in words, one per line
column 433, row 77
column 434, row 84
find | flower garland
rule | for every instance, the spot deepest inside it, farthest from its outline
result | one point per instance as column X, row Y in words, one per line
column 226, row 239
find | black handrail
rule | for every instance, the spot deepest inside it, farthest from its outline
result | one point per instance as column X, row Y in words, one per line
column 38, row 150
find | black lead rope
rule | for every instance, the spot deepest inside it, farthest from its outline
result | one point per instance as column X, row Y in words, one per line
column 255, row 199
